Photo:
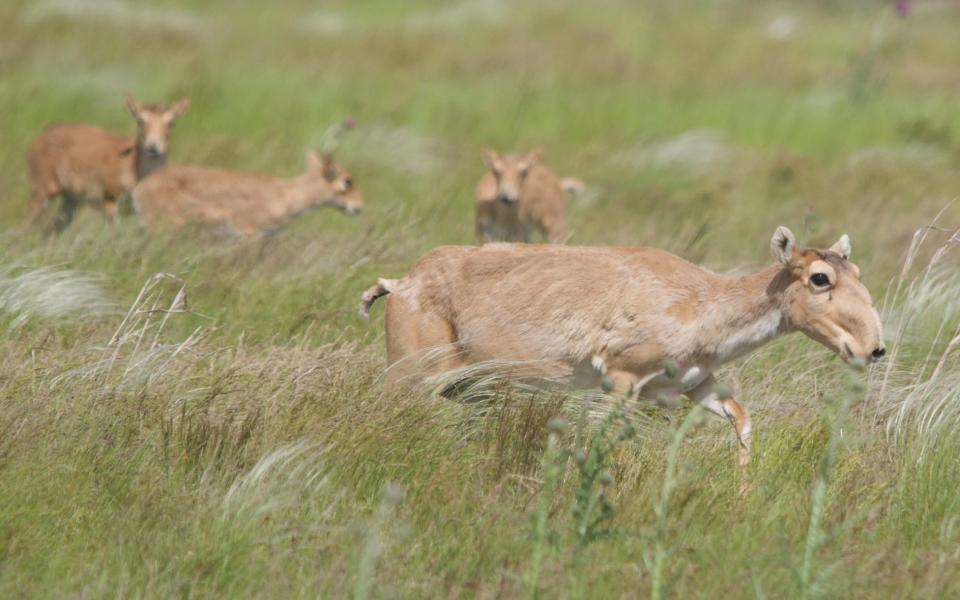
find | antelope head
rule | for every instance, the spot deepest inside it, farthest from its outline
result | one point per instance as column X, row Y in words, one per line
column 154, row 122
column 824, row 298
column 511, row 172
column 334, row 184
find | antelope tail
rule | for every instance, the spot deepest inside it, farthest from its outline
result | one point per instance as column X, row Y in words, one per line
column 383, row 287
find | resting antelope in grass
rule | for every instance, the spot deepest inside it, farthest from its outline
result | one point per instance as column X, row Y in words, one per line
column 246, row 203
column 521, row 194
column 85, row 163
column 622, row 313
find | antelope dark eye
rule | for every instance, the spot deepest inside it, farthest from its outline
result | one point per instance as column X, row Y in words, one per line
column 820, row 279
column 348, row 183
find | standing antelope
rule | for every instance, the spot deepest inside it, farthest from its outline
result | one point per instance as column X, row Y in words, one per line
column 85, row 163
column 521, row 194
column 247, row 203
column 622, row 312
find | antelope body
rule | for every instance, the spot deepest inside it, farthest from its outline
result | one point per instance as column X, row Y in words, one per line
column 246, row 203
column 84, row 163
column 586, row 312
column 519, row 195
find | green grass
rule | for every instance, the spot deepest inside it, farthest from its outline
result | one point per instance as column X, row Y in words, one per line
column 244, row 447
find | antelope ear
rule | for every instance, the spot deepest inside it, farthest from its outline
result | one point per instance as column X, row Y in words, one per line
column 530, row 159
column 133, row 106
column 313, row 160
column 180, row 108
column 535, row 156
column 782, row 245
column 329, row 166
column 842, row 247
column 491, row 159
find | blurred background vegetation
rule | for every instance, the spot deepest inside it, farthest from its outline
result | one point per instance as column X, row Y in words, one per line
column 242, row 448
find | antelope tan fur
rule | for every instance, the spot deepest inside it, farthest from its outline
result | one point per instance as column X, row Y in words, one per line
column 519, row 195
column 85, row 163
column 246, row 203
column 623, row 312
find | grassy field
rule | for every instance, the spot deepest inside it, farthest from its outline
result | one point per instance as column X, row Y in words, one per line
column 241, row 444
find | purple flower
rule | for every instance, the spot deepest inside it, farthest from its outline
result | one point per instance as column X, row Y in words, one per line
column 903, row 8
column 349, row 123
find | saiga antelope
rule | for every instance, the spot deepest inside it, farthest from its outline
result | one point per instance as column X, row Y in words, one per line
column 622, row 312
column 520, row 194
column 246, row 203
column 84, row 163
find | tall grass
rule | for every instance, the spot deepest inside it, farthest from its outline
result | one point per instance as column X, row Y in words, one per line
column 657, row 563
column 927, row 325
column 228, row 435
column 811, row 575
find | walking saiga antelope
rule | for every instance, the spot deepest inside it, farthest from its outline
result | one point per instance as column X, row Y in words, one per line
column 623, row 312
column 85, row 163
column 246, row 203
column 521, row 194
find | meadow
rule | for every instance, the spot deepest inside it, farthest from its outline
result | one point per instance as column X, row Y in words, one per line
column 190, row 415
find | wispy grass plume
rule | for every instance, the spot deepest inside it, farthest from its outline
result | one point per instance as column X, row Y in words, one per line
column 138, row 352
column 918, row 386
column 50, row 294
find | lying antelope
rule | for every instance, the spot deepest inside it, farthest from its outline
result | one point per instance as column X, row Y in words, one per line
column 85, row 163
column 623, row 313
column 246, row 203
column 521, row 194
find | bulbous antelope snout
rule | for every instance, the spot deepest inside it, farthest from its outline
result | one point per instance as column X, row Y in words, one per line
column 353, row 202
column 154, row 149
column 507, row 198
column 857, row 337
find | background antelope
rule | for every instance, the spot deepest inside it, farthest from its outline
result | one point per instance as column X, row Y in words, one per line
column 621, row 312
column 85, row 163
column 251, row 455
column 519, row 195
column 247, row 203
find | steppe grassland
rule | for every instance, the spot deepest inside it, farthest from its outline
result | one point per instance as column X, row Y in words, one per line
column 244, row 447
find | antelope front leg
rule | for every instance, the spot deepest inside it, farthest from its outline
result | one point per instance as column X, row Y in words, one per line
column 706, row 395
column 110, row 209
column 738, row 415
column 624, row 383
